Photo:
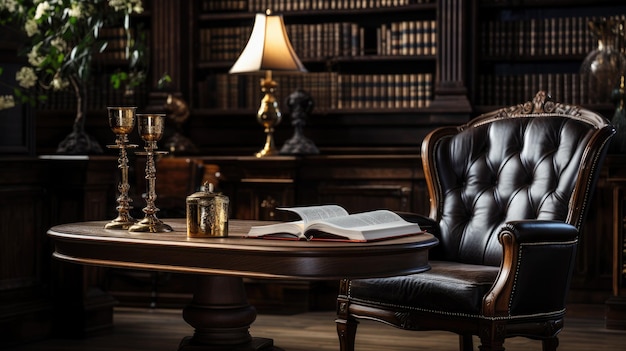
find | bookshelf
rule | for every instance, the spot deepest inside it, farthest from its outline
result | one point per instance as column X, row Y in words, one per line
column 361, row 55
column 381, row 72
column 525, row 46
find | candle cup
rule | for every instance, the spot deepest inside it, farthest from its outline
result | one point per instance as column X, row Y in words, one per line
column 122, row 119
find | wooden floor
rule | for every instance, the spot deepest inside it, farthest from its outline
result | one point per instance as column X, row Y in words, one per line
column 162, row 329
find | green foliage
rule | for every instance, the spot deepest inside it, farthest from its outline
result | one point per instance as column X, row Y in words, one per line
column 62, row 37
column 164, row 81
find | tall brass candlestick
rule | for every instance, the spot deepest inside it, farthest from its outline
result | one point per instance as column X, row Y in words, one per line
column 122, row 122
column 151, row 127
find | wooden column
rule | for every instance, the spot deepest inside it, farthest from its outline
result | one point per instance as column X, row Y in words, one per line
column 168, row 47
column 450, row 79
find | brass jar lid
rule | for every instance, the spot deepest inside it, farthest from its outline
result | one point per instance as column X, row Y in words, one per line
column 206, row 192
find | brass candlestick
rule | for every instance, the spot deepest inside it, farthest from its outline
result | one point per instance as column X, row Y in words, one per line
column 151, row 127
column 122, row 122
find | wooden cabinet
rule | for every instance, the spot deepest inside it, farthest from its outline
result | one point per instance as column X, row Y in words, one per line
column 256, row 187
column 364, row 182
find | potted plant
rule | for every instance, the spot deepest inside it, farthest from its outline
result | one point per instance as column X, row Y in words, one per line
column 61, row 38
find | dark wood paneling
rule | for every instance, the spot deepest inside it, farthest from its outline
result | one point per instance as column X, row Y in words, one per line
column 25, row 304
column 16, row 124
column 41, row 297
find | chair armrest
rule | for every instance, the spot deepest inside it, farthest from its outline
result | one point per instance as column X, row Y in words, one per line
column 426, row 223
column 537, row 265
column 538, row 231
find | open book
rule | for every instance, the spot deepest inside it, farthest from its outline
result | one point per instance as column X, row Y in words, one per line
column 332, row 222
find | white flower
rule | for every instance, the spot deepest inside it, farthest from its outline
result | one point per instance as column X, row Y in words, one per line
column 42, row 8
column 26, row 77
column 6, row 101
column 9, row 5
column 75, row 10
column 128, row 6
column 58, row 83
column 33, row 56
column 31, row 27
column 59, row 43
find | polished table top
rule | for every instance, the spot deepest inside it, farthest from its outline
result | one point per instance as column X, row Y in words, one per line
column 90, row 243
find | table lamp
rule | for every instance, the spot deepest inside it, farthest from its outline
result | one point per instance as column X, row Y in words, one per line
column 267, row 50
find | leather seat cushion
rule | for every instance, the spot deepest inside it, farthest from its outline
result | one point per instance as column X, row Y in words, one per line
column 448, row 287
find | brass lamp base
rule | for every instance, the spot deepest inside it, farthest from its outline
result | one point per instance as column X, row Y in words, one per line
column 268, row 115
column 269, row 149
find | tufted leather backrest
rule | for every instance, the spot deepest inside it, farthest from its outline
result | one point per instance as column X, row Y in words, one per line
column 532, row 161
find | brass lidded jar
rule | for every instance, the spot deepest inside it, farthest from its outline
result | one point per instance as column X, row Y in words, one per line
column 207, row 214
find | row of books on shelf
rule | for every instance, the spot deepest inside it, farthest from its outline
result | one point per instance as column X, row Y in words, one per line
column 329, row 90
column 506, row 90
column 301, row 5
column 326, row 40
column 379, row 91
column 308, row 40
column 408, row 38
column 538, row 37
column 227, row 91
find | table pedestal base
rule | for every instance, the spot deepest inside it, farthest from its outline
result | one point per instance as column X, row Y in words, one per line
column 257, row 344
column 221, row 316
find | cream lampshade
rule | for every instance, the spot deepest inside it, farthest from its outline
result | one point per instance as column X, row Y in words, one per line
column 267, row 50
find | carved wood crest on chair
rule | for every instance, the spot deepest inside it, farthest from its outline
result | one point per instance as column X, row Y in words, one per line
column 508, row 195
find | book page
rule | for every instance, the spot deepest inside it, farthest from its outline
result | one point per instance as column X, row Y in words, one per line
column 316, row 213
column 365, row 219
column 292, row 228
column 362, row 227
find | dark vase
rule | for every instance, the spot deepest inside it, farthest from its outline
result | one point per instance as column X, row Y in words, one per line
column 78, row 142
column 603, row 67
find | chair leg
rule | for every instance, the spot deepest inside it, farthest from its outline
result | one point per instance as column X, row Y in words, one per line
column 491, row 341
column 494, row 345
column 550, row 344
column 346, row 331
column 466, row 343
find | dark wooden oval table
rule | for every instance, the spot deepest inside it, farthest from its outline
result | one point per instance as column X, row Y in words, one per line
column 219, row 310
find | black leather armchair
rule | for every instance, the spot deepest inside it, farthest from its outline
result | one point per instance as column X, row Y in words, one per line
column 508, row 193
